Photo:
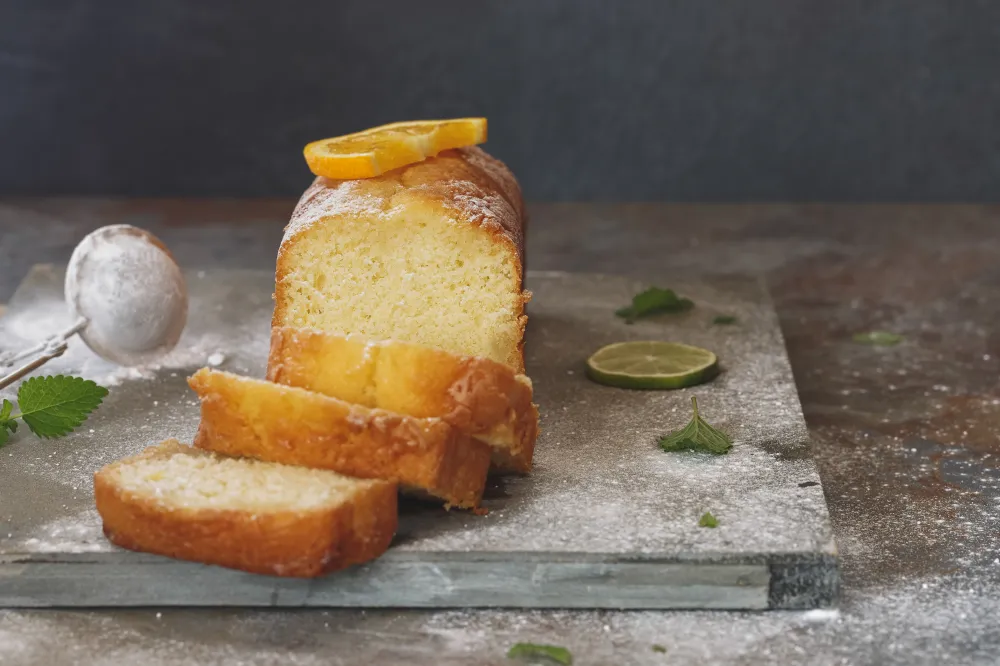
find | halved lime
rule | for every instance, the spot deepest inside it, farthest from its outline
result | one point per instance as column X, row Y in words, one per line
column 652, row 365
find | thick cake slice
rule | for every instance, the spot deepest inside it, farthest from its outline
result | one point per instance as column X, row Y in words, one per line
column 431, row 253
column 477, row 395
column 267, row 421
column 260, row 517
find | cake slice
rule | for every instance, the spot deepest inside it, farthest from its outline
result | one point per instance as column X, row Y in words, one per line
column 260, row 517
column 482, row 397
column 267, row 421
column 431, row 253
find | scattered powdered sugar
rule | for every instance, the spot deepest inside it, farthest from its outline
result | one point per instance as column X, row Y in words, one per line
column 216, row 359
column 600, row 484
column 79, row 533
column 936, row 620
column 821, row 615
column 35, row 323
column 230, row 315
column 121, row 374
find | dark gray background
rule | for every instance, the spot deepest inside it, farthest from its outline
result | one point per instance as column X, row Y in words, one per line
column 710, row 100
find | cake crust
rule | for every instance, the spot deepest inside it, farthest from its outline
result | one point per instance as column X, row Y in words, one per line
column 479, row 396
column 282, row 424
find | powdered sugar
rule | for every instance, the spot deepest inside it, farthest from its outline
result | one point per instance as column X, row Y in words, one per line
column 80, row 533
column 476, row 202
column 329, row 198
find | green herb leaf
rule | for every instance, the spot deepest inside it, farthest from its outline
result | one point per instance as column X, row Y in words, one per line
column 708, row 520
column 559, row 655
column 697, row 435
column 654, row 301
column 724, row 320
column 8, row 425
column 659, row 648
column 54, row 406
column 878, row 338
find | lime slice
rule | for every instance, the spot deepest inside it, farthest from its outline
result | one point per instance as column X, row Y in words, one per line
column 652, row 365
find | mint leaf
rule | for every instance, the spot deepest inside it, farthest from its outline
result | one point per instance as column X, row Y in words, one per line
column 724, row 320
column 54, row 406
column 708, row 520
column 878, row 338
column 554, row 653
column 697, row 435
column 8, row 425
column 654, row 301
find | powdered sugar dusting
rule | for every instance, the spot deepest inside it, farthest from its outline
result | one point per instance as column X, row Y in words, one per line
column 600, row 484
column 331, row 198
column 465, row 181
column 146, row 403
column 80, row 533
column 937, row 620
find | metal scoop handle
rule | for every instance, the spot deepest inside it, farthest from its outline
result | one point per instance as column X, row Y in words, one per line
column 43, row 352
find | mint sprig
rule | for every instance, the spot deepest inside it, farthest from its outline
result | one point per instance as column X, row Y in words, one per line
column 654, row 301
column 708, row 520
column 535, row 651
column 51, row 406
column 697, row 435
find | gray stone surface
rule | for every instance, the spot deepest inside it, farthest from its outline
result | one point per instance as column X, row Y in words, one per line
column 605, row 520
column 907, row 440
column 721, row 100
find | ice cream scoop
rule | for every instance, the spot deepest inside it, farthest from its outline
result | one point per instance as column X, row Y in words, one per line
column 127, row 297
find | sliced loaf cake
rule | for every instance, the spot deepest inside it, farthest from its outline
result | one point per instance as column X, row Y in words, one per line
column 283, row 424
column 479, row 396
column 260, row 517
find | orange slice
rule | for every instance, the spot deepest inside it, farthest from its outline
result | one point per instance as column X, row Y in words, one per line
column 374, row 151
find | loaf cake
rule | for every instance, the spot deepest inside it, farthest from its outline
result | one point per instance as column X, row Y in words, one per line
column 431, row 253
column 267, row 421
column 479, row 396
column 190, row 504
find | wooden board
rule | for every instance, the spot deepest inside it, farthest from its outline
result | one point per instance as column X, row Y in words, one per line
column 606, row 520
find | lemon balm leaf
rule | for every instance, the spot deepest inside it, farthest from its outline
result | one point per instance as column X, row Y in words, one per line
column 708, row 520
column 654, row 301
column 534, row 651
column 54, row 406
column 8, row 426
column 697, row 435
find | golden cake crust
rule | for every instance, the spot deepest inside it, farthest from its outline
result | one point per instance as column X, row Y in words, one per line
column 476, row 395
column 283, row 424
column 277, row 543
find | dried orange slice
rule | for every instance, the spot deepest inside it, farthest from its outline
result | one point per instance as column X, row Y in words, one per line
column 374, row 151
